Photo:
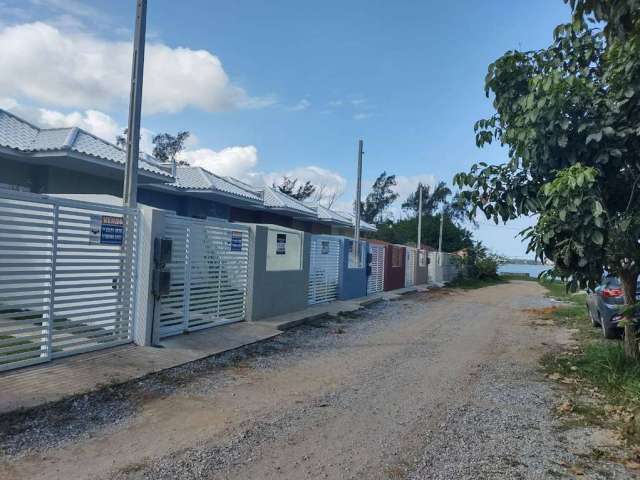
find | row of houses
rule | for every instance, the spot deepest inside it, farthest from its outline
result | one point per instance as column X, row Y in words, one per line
column 80, row 272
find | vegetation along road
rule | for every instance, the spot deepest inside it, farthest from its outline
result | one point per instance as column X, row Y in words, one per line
column 438, row 385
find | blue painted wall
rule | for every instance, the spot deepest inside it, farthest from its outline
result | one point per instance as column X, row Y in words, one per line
column 352, row 281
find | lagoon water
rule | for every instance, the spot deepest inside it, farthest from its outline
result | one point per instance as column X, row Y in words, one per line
column 531, row 270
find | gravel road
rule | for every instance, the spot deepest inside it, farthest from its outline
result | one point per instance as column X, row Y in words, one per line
column 438, row 385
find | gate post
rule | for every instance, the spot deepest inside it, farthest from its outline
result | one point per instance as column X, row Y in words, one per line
column 52, row 284
column 146, row 328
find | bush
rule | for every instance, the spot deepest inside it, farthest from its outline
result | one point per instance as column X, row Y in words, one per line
column 478, row 263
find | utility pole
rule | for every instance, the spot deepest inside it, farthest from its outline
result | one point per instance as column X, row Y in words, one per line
column 130, row 187
column 440, row 240
column 420, row 218
column 356, row 232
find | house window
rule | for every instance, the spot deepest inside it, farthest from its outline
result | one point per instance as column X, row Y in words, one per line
column 396, row 257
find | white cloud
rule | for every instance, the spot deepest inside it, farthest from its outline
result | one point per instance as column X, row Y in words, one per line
column 79, row 70
column 301, row 105
column 236, row 162
column 329, row 184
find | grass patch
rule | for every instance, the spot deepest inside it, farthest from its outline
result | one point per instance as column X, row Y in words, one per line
column 605, row 384
column 473, row 283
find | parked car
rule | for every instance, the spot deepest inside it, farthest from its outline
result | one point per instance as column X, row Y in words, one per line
column 605, row 304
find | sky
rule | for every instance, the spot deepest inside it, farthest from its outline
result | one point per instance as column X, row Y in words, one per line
column 281, row 87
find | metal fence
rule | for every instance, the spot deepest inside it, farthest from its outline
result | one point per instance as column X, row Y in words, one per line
column 324, row 269
column 67, row 271
column 209, row 274
column 410, row 269
column 375, row 282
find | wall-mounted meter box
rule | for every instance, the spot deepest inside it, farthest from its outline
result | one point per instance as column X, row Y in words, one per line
column 161, row 282
column 162, row 251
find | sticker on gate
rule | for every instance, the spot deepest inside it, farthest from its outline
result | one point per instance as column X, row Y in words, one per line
column 106, row 230
column 236, row 241
column 324, row 247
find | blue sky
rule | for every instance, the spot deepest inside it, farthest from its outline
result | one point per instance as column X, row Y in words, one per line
column 305, row 79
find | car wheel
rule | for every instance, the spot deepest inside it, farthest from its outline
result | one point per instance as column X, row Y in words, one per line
column 608, row 332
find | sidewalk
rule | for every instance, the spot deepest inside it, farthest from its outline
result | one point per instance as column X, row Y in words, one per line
column 48, row 382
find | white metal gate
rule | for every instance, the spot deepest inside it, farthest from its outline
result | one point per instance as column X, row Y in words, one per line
column 324, row 269
column 209, row 273
column 410, row 267
column 375, row 282
column 67, row 277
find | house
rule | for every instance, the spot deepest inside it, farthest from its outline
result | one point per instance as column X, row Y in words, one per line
column 73, row 161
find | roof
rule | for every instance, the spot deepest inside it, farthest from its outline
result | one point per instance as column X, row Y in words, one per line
column 197, row 178
column 20, row 135
column 364, row 226
column 329, row 216
column 274, row 198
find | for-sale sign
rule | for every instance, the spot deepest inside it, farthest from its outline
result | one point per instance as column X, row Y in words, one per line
column 106, row 230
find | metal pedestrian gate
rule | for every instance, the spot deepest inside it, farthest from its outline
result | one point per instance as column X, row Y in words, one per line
column 410, row 269
column 324, row 269
column 209, row 273
column 67, row 277
column 375, row 282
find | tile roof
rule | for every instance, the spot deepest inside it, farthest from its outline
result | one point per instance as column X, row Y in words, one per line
column 363, row 225
column 197, row 178
column 274, row 198
column 18, row 134
column 327, row 215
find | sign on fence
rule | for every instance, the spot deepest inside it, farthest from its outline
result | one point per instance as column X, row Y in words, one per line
column 106, row 230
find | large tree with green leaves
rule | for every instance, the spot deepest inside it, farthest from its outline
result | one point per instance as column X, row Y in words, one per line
column 569, row 116
column 432, row 198
column 379, row 199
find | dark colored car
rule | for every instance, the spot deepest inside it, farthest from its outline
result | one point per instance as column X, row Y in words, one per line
column 605, row 305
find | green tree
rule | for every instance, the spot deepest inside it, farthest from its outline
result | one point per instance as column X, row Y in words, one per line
column 291, row 187
column 166, row 147
column 405, row 231
column 431, row 198
column 569, row 117
column 379, row 199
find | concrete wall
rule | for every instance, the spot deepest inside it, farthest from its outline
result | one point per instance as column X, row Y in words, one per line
column 352, row 282
column 273, row 293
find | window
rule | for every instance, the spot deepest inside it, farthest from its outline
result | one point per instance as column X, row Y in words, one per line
column 396, row 257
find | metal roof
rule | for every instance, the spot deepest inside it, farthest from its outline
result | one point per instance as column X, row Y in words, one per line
column 274, row 198
column 329, row 216
column 367, row 227
column 20, row 135
column 197, row 178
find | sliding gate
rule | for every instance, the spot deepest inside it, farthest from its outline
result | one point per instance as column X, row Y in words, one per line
column 410, row 267
column 324, row 269
column 375, row 282
column 67, row 271
column 209, row 273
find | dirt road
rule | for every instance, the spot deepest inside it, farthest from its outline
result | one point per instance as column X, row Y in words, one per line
column 437, row 385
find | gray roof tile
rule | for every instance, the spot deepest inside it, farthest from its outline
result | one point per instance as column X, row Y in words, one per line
column 197, row 178
column 274, row 198
column 19, row 134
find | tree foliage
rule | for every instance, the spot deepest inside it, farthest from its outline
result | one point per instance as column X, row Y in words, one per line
column 569, row 116
column 166, row 147
column 379, row 199
column 299, row 191
column 432, row 198
column 405, row 231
